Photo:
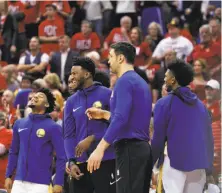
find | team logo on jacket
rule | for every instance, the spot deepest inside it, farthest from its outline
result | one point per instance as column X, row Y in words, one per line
column 97, row 104
column 40, row 133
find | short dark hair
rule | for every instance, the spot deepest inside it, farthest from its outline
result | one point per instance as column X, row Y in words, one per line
column 86, row 63
column 126, row 49
column 51, row 99
column 182, row 71
column 51, row 5
column 37, row 38
column 27, row 77
column 102, row 77
column 87, row 22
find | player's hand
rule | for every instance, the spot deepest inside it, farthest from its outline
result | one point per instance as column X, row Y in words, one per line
column 8, row 184
column 57, row 189
column 95, row 113
column 75, row 172
column 94, row 160
column 83, row 145
column 154, row 181
column 188, row 11
column 123, row 30
column 17, row 112
column 68, row 171
column 13, row 49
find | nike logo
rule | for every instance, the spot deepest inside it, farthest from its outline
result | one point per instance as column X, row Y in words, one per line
column 111, row 183
column 19, row 130
column 74, row 110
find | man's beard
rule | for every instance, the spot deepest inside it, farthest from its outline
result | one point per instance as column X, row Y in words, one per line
column 80, row 86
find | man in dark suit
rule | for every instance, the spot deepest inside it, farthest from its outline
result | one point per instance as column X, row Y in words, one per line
column 8, row 35
column 61, row 62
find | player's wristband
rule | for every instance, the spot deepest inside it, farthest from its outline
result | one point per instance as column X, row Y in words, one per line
column 72, row 161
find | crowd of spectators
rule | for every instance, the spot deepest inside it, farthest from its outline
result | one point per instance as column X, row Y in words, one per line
column 38, row 40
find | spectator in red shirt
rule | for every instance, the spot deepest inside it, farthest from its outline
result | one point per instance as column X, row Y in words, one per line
column 7, row 107
column 50, row 30
column 5, row 142
column 143, row 52
column 86, row 40
column 200, row 78
column 212, row 103
column 209, row 51
column 119, row 34
column 62, row 8
column 216, row 30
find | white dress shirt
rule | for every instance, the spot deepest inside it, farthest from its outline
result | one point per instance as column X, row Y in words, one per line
column 64, row 56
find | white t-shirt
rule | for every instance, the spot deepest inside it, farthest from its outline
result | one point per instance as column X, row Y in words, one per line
column 94, row 9
column 181, row 45
column 44, row 58
column 125, row 6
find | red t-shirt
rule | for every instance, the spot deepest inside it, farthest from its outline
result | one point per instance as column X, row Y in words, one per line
column 215, row 110
column 216, row 128
column 50, row 28
column 3, row 18
column 81, row 43
column 211, row 53
column 115, row 36
column 5, row 139
column 3, row 82
column 217, row 40
column 142, row 52
column 18, row 7
column 30, row 12
column 199, row 90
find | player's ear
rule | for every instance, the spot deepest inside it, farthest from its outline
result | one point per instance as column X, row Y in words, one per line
column 121, row 58
column 47, row 105
column 87, row 75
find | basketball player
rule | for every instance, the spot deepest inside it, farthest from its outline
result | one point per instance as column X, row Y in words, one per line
column 83, row 135
column 30, row 155
column 130, row 105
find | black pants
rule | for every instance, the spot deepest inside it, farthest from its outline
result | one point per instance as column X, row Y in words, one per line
column 100, row 181
column 134, row 166
column 31, row 30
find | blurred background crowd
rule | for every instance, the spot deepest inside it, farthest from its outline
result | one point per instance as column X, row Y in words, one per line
column 38, row 40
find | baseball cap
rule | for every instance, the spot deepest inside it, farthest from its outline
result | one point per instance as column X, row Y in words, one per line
column 213, row 84
column 174, row 23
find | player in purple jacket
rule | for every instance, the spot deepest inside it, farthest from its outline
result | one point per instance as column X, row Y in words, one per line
column 81, row 135
column 130, row 113
column 182, row 121
column 35, row 138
